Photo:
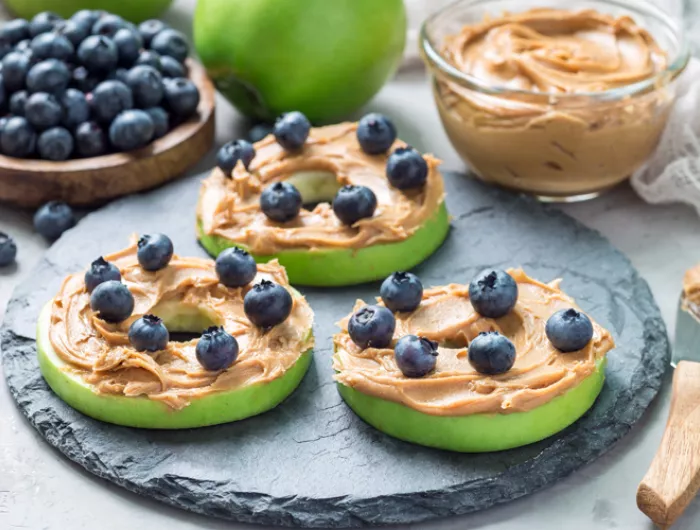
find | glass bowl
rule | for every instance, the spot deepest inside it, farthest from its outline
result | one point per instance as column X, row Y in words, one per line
column 560, row 146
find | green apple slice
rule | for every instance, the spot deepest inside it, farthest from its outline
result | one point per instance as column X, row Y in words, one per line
column 215, row 408
column 477, row 433
column 337, row 267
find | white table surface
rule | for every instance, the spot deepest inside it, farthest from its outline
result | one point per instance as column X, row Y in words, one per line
column 40, row 489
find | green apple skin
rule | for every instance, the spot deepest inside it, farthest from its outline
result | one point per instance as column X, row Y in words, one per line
column 216, row 408
column 477, row 433
column 339, row 267
column 133, row 10
column 325, row 58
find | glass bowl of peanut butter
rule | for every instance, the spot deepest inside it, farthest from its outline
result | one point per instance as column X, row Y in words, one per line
column 561, row 99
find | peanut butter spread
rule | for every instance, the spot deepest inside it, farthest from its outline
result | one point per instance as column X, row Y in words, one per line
column 100, row 352
column 229, row 207
column 691, row 290
column 537, row 134
column 455, row 388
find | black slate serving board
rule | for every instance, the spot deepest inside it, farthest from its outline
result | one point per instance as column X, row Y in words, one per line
column 312, row 462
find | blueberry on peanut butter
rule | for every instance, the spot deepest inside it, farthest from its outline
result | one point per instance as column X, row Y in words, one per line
column 569, row 330
column 493, row 293
column 406, row 168
column 231, row 152
column 101, row 271
column 267, row 304
column 353, row 203
column 291, row 130
column 280, row 202
column 375, row 134
column 401, row 292
column 154, row 251
column 491, row 353
column 372, row 326
column 415, row 356
column 148, row 333
column 112, row 301
column 216, row 349
column 235, row 267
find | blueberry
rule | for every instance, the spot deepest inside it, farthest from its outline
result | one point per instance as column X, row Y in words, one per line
column 128, row 45
column 43, row 22
column 101, row 271
column 108, row 25
column 50, row 75
column 280, row 202
column 231, row 152
column 171, row 67
column 43, row 111
column 161, row 121
column 148, row 333
column 83, row 80
column 491, row 353
column 375, row 133
column 3, row 123
column 90, row 139
column 235, row 267
column 8, row 250
column 267, row 304
column 86, row 18
column 18, row 101
column 353, row 203
column 17, row 139
column 493, row 293
column 146, row 84
column 24, row 46
column 569, row 330
column 216, row 349
column 55, row 144
column 109, row 99
column 75, row 108
column 150, row 28
column 172, row 43
column 120, row 74
column 401, row 292
column 149, row 58
column 52, row 46
column 15, row 30
column 181, row 96
column 259, row 131
column 15, row 66
column 291, row 130
column 5, row 47
column 415, row 356
column 131, row 129
column 406, row 168
column 73, row 31
column 98, row 54
column 112, row 301
column 154, row 251
column 372, row 326
column 53, row 218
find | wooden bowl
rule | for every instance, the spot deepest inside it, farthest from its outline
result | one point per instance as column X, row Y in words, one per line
column 86, row 181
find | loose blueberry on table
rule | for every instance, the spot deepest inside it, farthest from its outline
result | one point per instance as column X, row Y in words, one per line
column 154, row 251
column 112, row 301
column 267, row 304
column 372, row 326
column 491, row 353
column 493, row 293
column 235, row 267
column 569, row 330
column 415, row 356
column 8, row 250
column 52, row 219
column 101, row 271
column 67, row 85
column 216, row 349
column 148, row 333
column 401, row 292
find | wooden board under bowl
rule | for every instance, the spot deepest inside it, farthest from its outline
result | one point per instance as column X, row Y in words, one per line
column 86, row 181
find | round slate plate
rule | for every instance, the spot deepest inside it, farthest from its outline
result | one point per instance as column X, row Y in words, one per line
column 311, row 461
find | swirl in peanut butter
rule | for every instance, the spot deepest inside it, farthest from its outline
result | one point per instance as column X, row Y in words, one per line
column 455, row 388
column 100, row 352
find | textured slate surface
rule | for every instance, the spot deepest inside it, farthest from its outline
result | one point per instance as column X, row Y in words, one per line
column 311, row 462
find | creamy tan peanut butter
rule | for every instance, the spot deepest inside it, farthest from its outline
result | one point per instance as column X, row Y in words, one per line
column 455, row 388
column 691, row 290
column 229, row 207
column 100, row 352
column 546, row 140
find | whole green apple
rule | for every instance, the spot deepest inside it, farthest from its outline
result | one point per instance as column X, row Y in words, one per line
column 134, row 10
column 325, row 58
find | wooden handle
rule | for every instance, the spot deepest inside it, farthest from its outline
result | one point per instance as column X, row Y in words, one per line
column 674, row 476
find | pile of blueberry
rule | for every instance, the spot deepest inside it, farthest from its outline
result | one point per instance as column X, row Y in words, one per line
column 281, row 202
column 493, row 294
column 90, row 85
column 266, row 304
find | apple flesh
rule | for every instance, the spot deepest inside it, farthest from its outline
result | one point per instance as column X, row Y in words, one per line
column 213, row 409
column 325, row 58
column 477, row 433
column 133, row 10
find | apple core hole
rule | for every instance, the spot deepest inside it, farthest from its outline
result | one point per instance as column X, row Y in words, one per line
column 315, row 187
column 184, row 322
